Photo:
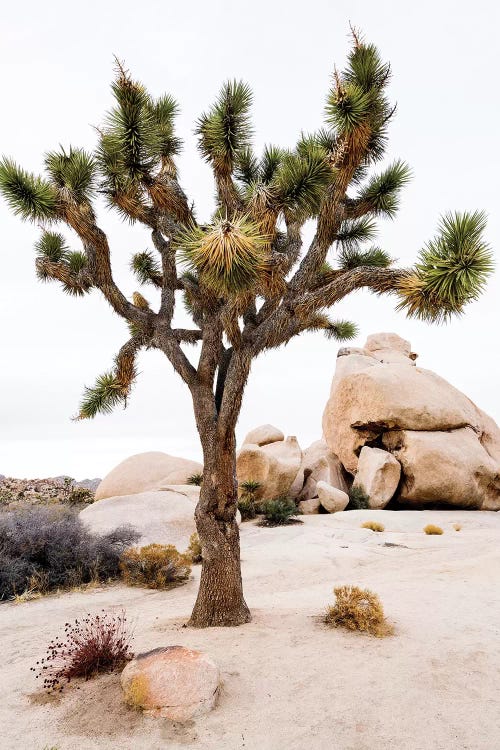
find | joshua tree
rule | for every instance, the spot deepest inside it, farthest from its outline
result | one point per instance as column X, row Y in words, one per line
column 245, row 277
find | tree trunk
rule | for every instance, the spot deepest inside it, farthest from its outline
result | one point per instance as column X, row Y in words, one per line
column 220, row 599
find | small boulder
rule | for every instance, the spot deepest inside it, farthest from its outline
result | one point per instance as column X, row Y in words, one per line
column 146, row 471
column 332, row 499
column 377, row 341
column 318, row 464
column 309, row 507
column 264, row 435
column 174, row 682
column 378, row 475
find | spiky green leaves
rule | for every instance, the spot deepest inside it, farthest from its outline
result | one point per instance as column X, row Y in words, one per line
column 228, row 256
column 73, row 172
column 52, row 246
column 163, row 112
column 353, row 257
column 347, row 107
column 138, row 138
column 112, row 388
column 366, row 69
column 131, row 127
column 225, row 130
column 356, row 106
column 340, row 330
column 27, row 195
column 452, row 269
column 146, row 268
column 55, row 262
column 300, row 181
column 381, row 194
column 353, row 232
column 102, row 398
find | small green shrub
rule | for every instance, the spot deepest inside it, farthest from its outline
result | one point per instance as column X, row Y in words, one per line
column 247, row 508
column 247, row 504
column 431, row 529
column 280, row 512
column 194, row 549
column 79, row 495
column 195, row 479
column 358, row 499
column 156, row 566
column 358, row 609
column 250, row 486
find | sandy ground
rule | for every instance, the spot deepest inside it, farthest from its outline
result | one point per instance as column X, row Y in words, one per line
column 288, row 681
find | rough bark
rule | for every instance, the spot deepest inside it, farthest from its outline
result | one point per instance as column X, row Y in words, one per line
column 220, row 600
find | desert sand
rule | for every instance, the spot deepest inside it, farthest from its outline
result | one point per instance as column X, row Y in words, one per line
column 289, row 682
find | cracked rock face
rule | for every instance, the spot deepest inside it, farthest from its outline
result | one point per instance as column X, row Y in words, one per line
column 448, row 449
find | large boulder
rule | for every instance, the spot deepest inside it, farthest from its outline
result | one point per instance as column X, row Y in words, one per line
column 379, row 398
column 332, row 499
column 378, row 475
column 445, row 467
column 174, row 682
column 161, row 517
column 146, row 471
column 274, row 466
column 389, row 397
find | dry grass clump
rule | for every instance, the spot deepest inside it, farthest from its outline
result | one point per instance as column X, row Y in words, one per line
column 156, row 566
column 373, row 526
column 457, row 526
column 432, row 529
column 358, row 609
column 97, row 643
column 194, row 549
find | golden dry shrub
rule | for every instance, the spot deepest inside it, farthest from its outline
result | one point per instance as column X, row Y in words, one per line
column 156, row 566
column 373, row 526
column 432, row 529
column 194, row 549
column 358, row 609
column 457, row 526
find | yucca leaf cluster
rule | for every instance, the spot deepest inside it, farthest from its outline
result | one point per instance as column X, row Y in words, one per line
column 451, row 271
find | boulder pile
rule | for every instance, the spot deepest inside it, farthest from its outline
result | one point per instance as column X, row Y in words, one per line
column 404, row 433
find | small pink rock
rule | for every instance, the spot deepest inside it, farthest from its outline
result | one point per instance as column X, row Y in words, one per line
column 173, row 682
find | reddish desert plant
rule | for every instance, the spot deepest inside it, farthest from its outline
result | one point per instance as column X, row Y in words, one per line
column 98, row 643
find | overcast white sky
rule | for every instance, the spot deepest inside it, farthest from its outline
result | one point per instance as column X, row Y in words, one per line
column 56, row 66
